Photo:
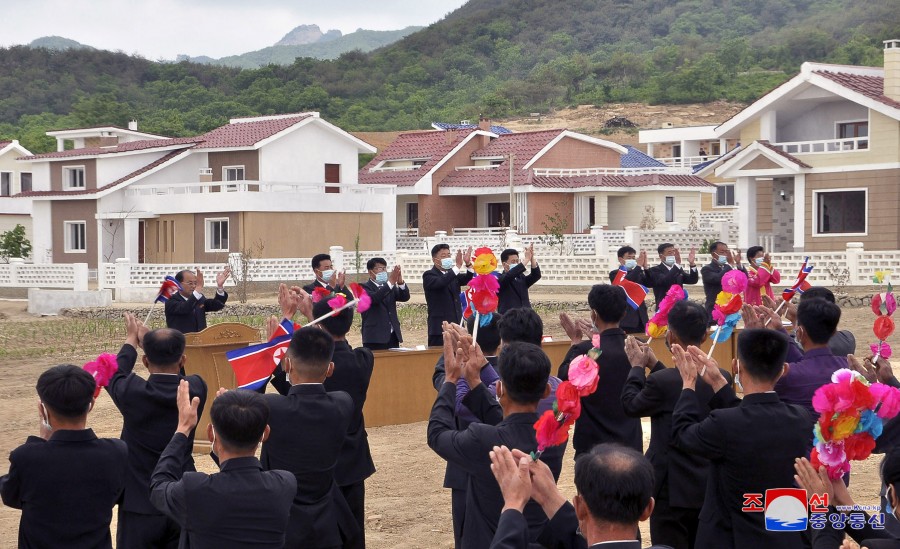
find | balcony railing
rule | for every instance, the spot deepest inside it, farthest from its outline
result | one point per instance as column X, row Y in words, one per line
column 570, row 172
column 205, row 187
column 393, row 169
column 464, row 168
column 825, row 146
column 686, row 161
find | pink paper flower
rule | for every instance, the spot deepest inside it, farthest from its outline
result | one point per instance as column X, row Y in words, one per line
column 102, row 369
column 887, row 400
column 364, row 301
column 881, row 349
column 831, row 453
column 488, row 283
column 583, row 374
column 595, row 341
column 337, row 301
column 734, row 282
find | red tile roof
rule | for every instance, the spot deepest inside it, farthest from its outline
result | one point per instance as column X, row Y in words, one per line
column 4, row 143
column 499, row 178
column 431, row 146
column 780, row 152
column 524, row 145
column 869, row 86
column 144, row 144
column 119, row 181
column 247, row 134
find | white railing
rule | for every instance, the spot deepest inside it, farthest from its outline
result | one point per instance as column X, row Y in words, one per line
column 72, row 276
column 204, row 187
column 824, row 146
column 570, row 172
column 404, row 231
column 467, row 168
column 686, row 161
column 393, row 169
column 479, row 231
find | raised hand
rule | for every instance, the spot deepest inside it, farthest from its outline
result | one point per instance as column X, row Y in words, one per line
column 686, row 366
column 751, row 319
column 513, row 476
column 459, row 259
column 865, row 368
column 543, row 486
column 468, row 257
column 394, row 275
column 199, row 285
column 187, row 408
column 709, row 369
column 272, row 324
column 692, row 256
column 475, row 361
column 642, row 259
column 131, row 330
column 883, row 370
column 677, row 256
column 304, row 301
column 337, row 279
column 286, row 301
column 452, row 367
column 767, row 259
column 768, row 317
column 222, row 277
column 571, row 327
column 770, row 303
column 399, row 274
column 814, row 482
column 529, row 254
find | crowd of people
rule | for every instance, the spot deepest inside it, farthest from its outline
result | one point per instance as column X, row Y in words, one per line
column 708, row 448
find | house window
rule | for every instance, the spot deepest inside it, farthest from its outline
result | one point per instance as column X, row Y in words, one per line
column 233, row 173
column 412, row 215
column 841, row 212
column 725, row 195
column 75, row 234
column 592, row 218
column 332, row 175
column 217, row 235
column 849, row 130
column 25, row 182
column 498, row 214
column 715, row 149
column 676, row 151
column 73, row 178
column 670, row 209
column 5, row 183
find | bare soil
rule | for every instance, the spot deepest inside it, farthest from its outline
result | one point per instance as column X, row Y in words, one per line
column 406, row 506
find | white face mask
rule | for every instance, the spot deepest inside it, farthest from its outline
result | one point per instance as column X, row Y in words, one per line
column 630, row 264
column 670, row 260
column 326, row 275
column 447, row 263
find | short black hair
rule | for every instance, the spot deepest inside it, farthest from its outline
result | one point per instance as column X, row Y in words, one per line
column 689, row 321
column 370, row 264
column 661, row 249
column 762, row 353
column 437, row 248
column 625, row 250
column 819, row 318
column 164, row 346
column 311, row 350
column 488, row 335
column 337, row 325
column 524, row 369
column 616, row 483
column 715, row 246
column 239, row 418
column 608, row 302
column 818, row 292
column 66, row 390
column 521, row 324
column 318, row 259
column 504, row 255
column 179, row 276
column 752, row 251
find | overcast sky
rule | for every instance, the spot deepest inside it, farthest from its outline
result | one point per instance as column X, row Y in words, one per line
column 162, row 29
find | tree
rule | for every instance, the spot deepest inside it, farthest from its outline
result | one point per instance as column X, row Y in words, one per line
column 14, row 244
column 555, row 227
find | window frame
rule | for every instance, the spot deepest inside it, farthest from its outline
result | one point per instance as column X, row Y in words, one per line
column 67, row 178
column 716, row 197
column 67, row 237
column 816, row 232
column 9, row 183
column 207, row 237
column 669, row 212
column 22, row 182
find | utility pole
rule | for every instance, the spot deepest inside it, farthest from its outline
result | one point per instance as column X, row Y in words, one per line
column 512, row 196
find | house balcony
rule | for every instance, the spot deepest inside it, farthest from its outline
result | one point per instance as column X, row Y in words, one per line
column 686, row 161
column 825, row 146
column 572, row 172
column 387, row 169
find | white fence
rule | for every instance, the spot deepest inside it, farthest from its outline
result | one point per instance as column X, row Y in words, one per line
column 71, row 276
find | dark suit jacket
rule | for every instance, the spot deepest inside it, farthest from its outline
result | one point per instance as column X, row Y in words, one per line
column 66, row 488
column 635, row 320
column 241, row 506
column 831, row 538
column 352, row 372
column 381, row 317
column 514, row 286
column 188, row 314
column 680, row 476
column 308, row 428
column 442, row 297
column 561, row 532
column 470, row 449
column 751, row 448
column 661, row 278
column 712, row 282
column 149, row 417
column 602, row 417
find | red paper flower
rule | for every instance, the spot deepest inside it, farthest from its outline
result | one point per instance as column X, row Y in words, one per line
column 734, row 305
column 568, row 400
column 483, row 250
column 102, row 369
column 550, row 432
column 485, row 302
column 859, row 446
column 884, row 327
column 319, row 294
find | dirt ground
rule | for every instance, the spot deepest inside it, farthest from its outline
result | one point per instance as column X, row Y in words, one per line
column 406, row 506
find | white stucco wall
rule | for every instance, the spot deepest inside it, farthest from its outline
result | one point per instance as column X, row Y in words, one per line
column 301, row 155
column 819, row 122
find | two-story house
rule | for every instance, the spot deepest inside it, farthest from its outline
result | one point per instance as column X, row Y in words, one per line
column 470, row 177
column 279, row 186
column 14, row 178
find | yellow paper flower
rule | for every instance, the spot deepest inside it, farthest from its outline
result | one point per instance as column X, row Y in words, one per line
column 655, row 330
column 485, row 264
column 844, row 426
column 723, row 298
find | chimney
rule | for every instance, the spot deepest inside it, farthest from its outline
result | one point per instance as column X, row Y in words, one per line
column 132, row 125
column 450, row 136
column 892, row 69
column 484, row 123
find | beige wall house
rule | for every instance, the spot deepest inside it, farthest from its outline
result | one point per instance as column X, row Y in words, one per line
column 14, row 178
column 268, row 184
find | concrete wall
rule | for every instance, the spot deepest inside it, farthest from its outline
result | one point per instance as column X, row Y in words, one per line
column 309, row 233
column 74, row 210
column 301, row 156
column 541, row 206
column 113, row 167
column 50, row 302
column 248, row 159
column 574, row 153
column 819, row 122
column 620, row 210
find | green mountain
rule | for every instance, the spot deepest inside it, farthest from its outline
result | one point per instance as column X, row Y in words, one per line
column 328, row 47
column 493, row 57
column 57, row 43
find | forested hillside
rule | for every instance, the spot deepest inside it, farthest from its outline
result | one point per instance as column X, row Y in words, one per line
column 492, row 57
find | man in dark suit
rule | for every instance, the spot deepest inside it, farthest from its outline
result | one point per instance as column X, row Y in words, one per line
column 441, row 284
column 670, row 271
column 326, row 276
column 843, row 342
column 614, row 488
column 722, row 261
column 514, row 283
column 149, row 416
column 602, row 417
column 523, row 369
column 241, row 505
column 309, row 427
column 635, row 320
column 751, row 447
column 380, row 324
column 680, row 476
column 186, row 309
column 352, row 373
column 65, row 480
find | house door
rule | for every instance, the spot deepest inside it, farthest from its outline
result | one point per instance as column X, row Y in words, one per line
column 332, row 175
column 782, row 214
column 498, row 214
column 140, row 243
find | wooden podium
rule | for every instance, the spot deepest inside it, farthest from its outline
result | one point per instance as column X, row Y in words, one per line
column 205, row 356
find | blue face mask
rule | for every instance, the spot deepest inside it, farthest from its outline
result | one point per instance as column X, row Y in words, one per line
column 670, row 260
column 326, row 275
column 381, row 277
column 722, row 260
column 447, row 263
column 630, row 264
column 759, row 261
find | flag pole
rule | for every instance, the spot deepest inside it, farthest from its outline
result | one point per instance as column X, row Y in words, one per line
column 715, row 340
column 780, row 305
column 475, row 329
column 150, row 312
column 332, row 313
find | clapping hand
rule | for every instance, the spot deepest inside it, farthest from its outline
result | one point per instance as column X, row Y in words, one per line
column 304, row 302
column 686, row 367
column 199, row 285
column 287, row 302
column 468, row 257
column 692, row 256
column 453, row 368
column 459, row 259
column 187, row 409
column 135, row 330
column 222, row 277
column 677, row 256
column 642, row 259
column 639, row 354
column 709, row 368
column 338, row 279
column 513, row 476
column 575, row 328
column 394, row 275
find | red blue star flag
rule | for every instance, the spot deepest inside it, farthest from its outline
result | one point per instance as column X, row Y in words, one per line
column 634, row 292
column 253, row 365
